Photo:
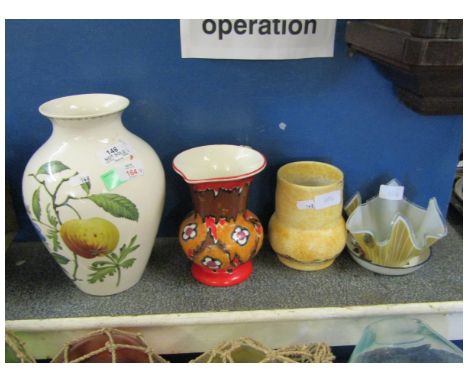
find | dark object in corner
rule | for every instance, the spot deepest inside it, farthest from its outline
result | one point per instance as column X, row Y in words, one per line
column 423, row 59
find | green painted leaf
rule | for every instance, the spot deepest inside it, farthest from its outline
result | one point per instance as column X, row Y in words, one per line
column 106, row 268
column 86, row 186
column 62, row 260
column 36, row 204
column 117, row 205
column 52, row 167
column 126, row 250
column 100, row 273
column 128, row 263
column 52, row 234
column 52, row 219
column 103, row 263
column 132, row 241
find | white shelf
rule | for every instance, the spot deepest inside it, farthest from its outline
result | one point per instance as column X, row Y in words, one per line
column 277, row 306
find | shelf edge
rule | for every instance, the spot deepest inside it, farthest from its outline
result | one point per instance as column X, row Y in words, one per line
column 231, row 317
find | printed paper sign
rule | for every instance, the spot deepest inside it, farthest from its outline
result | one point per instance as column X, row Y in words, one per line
column 257, row 39
column 320, row 201
column 391, row 192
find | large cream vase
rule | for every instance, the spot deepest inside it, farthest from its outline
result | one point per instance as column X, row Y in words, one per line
column 95, row 193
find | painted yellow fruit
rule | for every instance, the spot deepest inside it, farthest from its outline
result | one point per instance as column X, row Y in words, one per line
column 90, row 237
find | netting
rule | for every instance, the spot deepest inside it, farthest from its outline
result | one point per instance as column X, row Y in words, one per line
column 15, row 350
column 110, row 345
column 248, row 350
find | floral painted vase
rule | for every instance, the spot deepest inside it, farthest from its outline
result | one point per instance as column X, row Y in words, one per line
column 95, row 193
column 220, row 236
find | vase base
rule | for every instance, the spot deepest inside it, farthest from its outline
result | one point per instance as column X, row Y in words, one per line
column 101, row 292
column 222, row 278
column 312, row 266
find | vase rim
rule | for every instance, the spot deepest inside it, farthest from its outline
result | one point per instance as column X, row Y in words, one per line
column 218, row 163
column 84, row 106
column 332, row 175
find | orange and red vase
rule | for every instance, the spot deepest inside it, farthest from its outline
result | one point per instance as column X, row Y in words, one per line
column 220, row 236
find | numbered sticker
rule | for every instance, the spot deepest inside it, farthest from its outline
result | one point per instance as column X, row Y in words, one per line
column 320, row 201
column 79, row 179
column 305, row 204
column 130, row 170
column 115, row 152
column 391, row 192
column 122, row 174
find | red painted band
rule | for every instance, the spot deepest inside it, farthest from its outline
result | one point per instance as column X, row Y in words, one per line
column 222, row 278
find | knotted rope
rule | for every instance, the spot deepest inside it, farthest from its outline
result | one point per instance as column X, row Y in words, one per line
column 109, row 346
column 246, row 349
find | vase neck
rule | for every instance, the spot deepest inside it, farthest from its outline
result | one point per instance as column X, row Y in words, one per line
column 100, row 128
column 220, row 200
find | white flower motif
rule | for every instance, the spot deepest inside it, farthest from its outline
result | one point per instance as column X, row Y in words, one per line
column 211, row 263
column 190, row 231
column 240, row 235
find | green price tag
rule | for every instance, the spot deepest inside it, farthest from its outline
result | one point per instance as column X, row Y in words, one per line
column 111, row 179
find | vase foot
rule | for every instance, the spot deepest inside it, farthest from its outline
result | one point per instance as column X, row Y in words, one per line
column 222, row 278
column 312, row 266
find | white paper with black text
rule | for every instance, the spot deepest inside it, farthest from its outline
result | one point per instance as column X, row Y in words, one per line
column 257, row 39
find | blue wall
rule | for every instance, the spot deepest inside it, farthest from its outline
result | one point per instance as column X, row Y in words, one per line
column 339, row 110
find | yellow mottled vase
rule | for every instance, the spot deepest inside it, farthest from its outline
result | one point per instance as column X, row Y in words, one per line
column 307, row 230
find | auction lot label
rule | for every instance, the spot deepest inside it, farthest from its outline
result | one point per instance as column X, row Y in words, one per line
column 257, row 39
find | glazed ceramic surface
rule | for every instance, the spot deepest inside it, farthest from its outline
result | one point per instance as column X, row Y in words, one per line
column 220, row 236
column 391, row 232
column 95, row 192
column 307, row 230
